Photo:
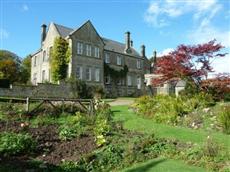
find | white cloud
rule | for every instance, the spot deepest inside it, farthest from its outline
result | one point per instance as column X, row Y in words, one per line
column 25, row 7
column 206, row 32
column 165, row 52
column 3, row 34
column 159, row 13
column 221, row 64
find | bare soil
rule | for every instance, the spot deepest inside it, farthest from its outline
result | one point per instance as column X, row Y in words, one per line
column 50, row 149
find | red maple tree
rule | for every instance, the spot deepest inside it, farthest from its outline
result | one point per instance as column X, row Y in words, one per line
column 188, row 63
column 219, row 86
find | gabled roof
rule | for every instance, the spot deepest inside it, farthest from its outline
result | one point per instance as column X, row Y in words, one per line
column 110, row 45
column 63, row 30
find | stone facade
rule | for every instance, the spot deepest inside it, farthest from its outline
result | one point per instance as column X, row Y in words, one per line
column 89, row 53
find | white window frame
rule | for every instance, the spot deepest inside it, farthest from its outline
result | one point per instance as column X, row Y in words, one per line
column 129, row 80
column 96, row 52
column 138, row 64
column 88, row 50
column 80, row 72
column 43, row 75
column 97, row 75
column 119, row 60
column 79, row 48
column 138, row 82
column 107, row 58
column 88, row 73
column 108, row 79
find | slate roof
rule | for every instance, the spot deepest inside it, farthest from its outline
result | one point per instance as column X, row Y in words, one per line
column 110, row 45
column 115, row 46
column 62, row 30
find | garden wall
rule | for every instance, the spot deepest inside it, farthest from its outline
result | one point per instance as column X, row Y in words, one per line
column 42, row 90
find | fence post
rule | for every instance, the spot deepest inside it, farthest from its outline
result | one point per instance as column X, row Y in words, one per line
column 27, row 104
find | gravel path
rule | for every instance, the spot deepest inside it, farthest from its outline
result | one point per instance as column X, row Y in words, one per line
column 120, row 101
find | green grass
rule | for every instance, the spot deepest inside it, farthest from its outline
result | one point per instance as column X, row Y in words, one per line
column 163, row 165
column 134, row 122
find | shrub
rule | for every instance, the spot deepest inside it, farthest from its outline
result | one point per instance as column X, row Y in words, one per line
column 167, row 109
column 12, row 143
column 224, row 119
column 211, row 149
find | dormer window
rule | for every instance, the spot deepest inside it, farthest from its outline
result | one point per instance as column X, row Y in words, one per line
column 119, row 60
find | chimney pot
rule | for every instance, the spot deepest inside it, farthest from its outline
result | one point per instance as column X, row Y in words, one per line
column 143, row 51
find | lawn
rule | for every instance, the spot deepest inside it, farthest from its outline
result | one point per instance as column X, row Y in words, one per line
column 163, row 165
column 134, row 122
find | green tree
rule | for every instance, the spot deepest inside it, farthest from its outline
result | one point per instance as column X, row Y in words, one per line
column 59, row 59
column 9, row 70
column 25, row 69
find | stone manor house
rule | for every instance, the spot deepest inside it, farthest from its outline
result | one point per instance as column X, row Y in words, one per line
column 90, row 52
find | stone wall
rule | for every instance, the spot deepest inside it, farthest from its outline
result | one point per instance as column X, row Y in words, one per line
column 62, row 90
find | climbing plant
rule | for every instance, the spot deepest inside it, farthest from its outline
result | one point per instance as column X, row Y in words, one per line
column 115, row 74
column 59, row 59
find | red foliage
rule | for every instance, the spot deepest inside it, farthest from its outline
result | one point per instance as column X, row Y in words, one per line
column 218, row 86
column 187, row 62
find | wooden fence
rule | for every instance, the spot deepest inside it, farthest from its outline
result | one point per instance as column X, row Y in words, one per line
column 86, row 104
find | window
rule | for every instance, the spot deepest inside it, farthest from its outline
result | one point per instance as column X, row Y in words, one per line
column 44, row 55
column 88, row 74
column 43, row 75
column 119, row 82
column 79, row 72
column 35, row 78
column 97, row 74
column 88, row 50
column 50, row 51
column 129, row 80
column 138, row 82
column 107, row 79
column 118, row 60
column 138, row 64
column 96, row 52
column 107, row 58
column 79, row 48
column 35, row 61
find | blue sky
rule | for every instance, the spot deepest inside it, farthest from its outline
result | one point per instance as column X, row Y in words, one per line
column 161, row 25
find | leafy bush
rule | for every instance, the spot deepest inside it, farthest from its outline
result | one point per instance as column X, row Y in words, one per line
column 12, row 143
column 103, row 122
column 167, row 109
column 224, row 119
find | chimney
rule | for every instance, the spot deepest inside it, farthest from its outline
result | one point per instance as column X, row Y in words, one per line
column 143, row 51
column 154, row 56
column 131, row 43
column 43, row 33
column 127, row 40
column 154, row 59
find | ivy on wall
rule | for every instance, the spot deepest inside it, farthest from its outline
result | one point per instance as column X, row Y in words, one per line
column 59, row 59
column 115, row 74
